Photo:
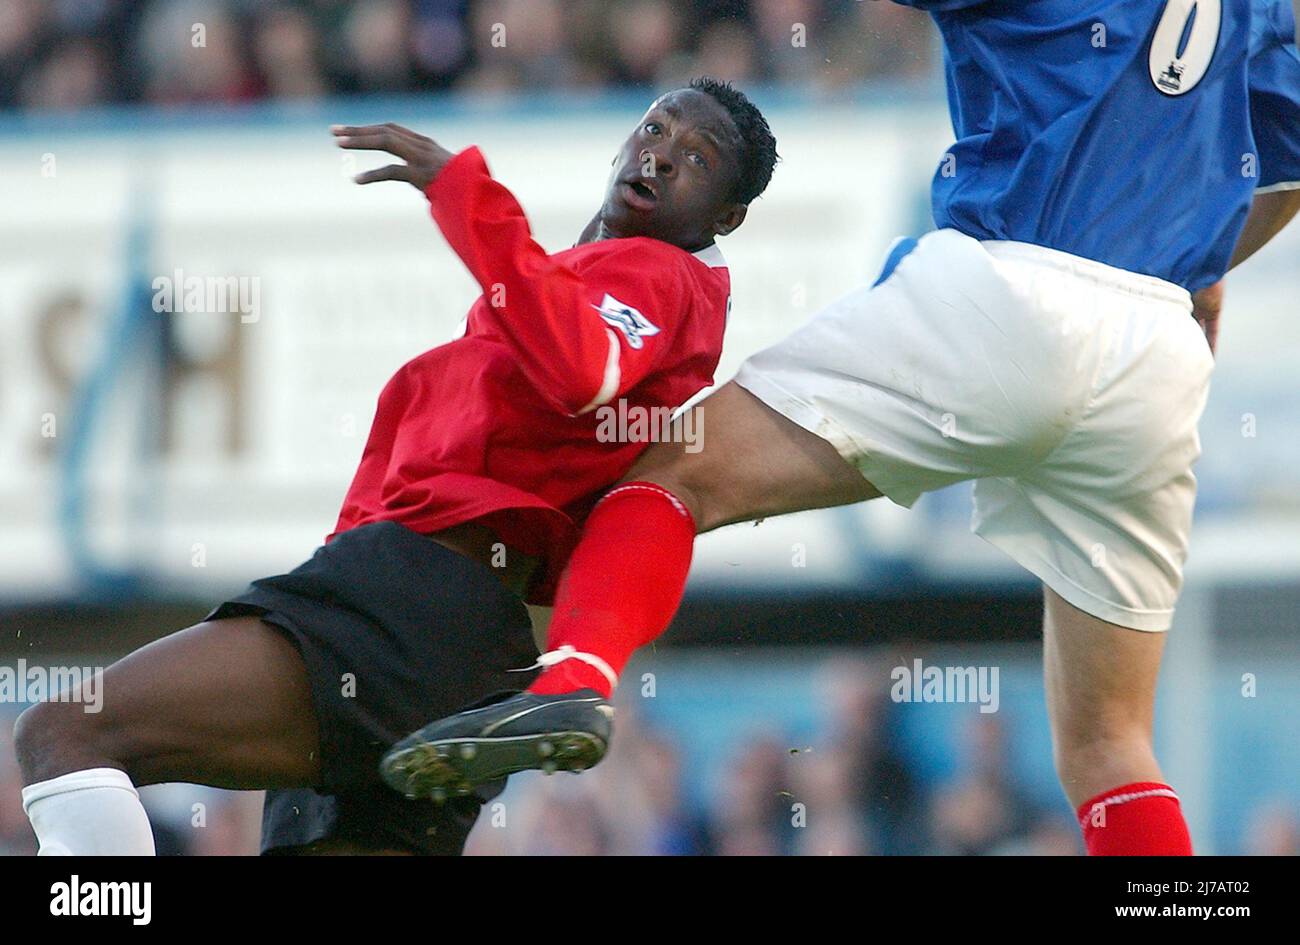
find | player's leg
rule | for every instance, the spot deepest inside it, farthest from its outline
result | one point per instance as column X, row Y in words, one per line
column 754, row 463
column 1110, row 550
column 1100, row 680
column 225, row 703
column 1104, row 520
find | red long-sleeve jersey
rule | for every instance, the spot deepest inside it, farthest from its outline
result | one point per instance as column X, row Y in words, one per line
column 501, row 425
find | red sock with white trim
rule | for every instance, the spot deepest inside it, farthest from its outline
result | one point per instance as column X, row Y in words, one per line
column 1141, row 819
column 620, row 589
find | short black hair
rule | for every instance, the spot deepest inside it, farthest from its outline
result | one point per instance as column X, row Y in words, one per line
column 758, row 156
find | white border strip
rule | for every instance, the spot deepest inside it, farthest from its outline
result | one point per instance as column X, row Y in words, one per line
column 613, row 375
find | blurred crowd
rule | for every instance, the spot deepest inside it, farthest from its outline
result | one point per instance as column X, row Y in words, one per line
column 849, row 790
column 72, row 54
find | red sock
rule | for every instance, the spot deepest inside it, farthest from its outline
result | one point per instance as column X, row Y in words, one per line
column 621, row 586
column 1142, row 819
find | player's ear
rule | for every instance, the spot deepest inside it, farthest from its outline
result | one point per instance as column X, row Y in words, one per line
column 730, row 219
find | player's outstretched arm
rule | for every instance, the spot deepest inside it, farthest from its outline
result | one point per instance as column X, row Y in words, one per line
column 1275, row 117
column 1274, row 90
column 424, row 157
column 551, row 314
column 1269, row 214
column 548, row 313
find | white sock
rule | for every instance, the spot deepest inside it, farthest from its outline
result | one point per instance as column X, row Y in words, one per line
column 96, row 812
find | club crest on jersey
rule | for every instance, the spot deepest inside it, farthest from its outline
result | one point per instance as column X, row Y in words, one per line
column 1171, row 79
column 634, row 326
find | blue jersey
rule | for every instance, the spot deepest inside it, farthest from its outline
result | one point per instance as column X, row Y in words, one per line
column 1131, row 132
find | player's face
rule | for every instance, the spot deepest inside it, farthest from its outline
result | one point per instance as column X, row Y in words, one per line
column 673, row 178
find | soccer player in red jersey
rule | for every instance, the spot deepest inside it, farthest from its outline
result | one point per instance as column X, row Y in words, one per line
column 484, row 456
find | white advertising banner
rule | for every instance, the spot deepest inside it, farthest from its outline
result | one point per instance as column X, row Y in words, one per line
column 195, row 320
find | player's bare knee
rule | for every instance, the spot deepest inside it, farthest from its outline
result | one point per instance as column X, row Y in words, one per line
column 707, row 506
column 693, row 501
column 661, row 469
column 54, row 738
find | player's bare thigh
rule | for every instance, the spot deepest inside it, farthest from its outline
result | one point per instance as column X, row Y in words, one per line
column 225, row 703
column 751, row 463
column 1101, row 688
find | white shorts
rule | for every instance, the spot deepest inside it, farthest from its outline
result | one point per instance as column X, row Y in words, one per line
column 1068, row 389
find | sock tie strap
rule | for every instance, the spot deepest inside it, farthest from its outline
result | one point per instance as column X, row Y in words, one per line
column 570, row 652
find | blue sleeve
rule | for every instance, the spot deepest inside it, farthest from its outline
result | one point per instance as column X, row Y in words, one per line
column 1275, row 94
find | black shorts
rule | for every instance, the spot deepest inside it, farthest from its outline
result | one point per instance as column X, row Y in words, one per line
column 396, row 631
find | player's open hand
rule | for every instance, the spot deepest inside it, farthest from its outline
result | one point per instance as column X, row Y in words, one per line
column 424, row 157
column 1207, row 304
